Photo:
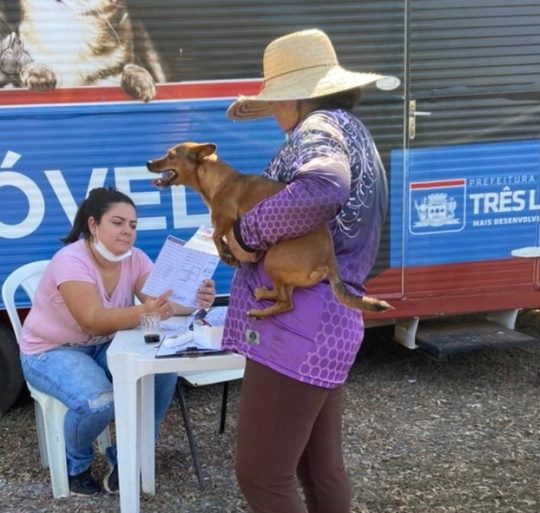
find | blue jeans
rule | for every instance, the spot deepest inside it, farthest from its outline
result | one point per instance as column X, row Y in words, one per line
column 78, row 376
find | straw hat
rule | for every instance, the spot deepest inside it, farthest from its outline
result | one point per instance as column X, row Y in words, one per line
column 298, row 66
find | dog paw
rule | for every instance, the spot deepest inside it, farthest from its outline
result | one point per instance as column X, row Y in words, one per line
column 261, row 293
column 226, row 255
column 138, row 83
column 38, row 77
column 230, row 260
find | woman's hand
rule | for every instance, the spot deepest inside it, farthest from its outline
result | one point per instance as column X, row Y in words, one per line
column 160, row 305
column 238, row 252
column 206, row 294
column 205, row 298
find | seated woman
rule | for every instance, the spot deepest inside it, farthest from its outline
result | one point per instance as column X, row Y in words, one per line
column 85, row 295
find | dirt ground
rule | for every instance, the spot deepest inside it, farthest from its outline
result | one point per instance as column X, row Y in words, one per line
column 420, row 436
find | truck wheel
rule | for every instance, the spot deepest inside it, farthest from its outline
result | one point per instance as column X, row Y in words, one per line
column 11, row 377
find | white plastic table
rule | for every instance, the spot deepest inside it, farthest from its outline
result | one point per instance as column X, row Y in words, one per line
column 133, row 364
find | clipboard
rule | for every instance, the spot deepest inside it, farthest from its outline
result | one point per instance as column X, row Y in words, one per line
column 183, row 345
column 193, row 352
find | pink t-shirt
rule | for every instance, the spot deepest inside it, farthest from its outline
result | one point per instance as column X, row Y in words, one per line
column 49, row 323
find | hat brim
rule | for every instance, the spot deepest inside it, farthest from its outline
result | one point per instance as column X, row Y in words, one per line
column 300, row 85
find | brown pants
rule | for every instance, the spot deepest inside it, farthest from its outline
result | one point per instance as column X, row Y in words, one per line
column 286, row 429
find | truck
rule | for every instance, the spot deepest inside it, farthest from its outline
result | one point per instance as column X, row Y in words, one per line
column 458, row 131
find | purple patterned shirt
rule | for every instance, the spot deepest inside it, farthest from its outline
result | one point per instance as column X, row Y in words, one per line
column 335, row 176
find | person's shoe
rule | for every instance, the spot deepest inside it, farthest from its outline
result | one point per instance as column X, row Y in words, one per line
column 83, row 484
column 110, row 481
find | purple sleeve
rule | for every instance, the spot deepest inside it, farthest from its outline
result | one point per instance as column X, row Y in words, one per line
column 319, row 185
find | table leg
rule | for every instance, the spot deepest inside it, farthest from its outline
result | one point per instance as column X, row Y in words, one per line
column 147, row 440
column 126, row 406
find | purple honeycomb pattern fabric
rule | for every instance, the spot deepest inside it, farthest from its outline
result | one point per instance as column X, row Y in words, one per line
column 335, row 176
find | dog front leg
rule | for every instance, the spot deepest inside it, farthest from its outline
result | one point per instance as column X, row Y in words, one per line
column 223, row 250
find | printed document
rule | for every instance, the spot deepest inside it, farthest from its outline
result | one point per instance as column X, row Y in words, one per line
column 181, row 269
column 203, row 241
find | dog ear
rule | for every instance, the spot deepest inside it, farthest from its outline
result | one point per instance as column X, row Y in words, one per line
column 205, row 150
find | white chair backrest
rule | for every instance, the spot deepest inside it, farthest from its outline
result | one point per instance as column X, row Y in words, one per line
column 27, row 277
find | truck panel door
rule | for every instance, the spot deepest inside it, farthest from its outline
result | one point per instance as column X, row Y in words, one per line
column 471, row 174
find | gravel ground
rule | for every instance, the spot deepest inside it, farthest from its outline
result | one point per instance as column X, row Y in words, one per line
column 458, row 436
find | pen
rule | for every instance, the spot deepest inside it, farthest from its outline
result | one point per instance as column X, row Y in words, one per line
column 200, row 314
column 193, row 352
column 199, row 318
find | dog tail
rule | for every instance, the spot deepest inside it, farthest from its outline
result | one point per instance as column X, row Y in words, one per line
column 365, row 303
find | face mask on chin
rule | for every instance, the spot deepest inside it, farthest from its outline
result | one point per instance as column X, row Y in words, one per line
column 109, row 255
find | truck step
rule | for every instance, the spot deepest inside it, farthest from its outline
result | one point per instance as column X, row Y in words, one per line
column 441, row 338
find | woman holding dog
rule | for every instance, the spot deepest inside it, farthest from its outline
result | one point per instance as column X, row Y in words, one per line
column 85, row 295
column 290, row 417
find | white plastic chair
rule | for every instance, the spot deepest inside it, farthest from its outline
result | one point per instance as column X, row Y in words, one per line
column 49, row 411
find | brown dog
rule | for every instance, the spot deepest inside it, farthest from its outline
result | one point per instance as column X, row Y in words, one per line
column 300, row 262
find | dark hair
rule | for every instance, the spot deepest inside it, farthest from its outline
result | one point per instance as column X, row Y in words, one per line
column 99, row 202
column 343, row 100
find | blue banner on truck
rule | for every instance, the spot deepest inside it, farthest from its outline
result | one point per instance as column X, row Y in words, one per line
column 484, row 203
column 52, row 155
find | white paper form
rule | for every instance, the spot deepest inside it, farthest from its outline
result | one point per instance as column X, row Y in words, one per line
column 180, row 269
column 202, row 240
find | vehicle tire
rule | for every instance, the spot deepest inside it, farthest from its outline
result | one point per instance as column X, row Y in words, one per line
column 11, row 377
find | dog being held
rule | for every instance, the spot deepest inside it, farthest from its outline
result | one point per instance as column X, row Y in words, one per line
column 299, row 262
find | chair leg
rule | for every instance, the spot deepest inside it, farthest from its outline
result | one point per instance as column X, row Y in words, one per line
column 42, row 442
column 189, row 432
column 56, row 448
column 224, row 407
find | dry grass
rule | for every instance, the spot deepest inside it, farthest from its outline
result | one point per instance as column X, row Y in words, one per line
column 421, row 436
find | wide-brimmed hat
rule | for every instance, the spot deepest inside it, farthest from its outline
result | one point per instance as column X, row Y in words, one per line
column 298, row 66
